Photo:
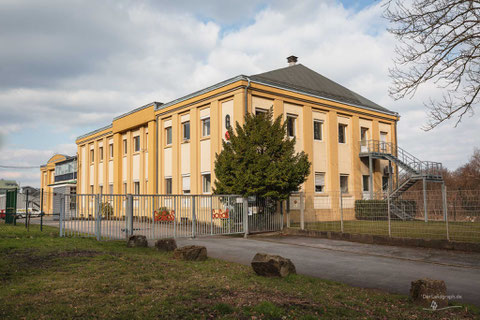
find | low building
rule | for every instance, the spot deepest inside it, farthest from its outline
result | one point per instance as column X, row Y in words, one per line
column 58, row 176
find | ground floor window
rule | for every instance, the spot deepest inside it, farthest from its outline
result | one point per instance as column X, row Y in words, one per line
column 186, row 184
column 136, row 187
column 344, row 183
column 319, row 182
column 385, row 183
column 168, row 185
column 206, row 183
column 366, row 183
column 111, row 188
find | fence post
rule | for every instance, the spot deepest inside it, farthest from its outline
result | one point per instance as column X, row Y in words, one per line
column 62, row 215
column 41, row 210
column 341, row 210
column 302, row 211
column 129, row 216
column 388, row 215
column 425, row 209
column 175, row 199
column 194, row 219
column 245, row 216
column 26, row 209
column 98, row 216
column 445, row 208
column 211, row 214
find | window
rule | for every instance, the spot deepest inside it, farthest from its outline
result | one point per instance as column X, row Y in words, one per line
column 205, row 127
column 227, row 121
column 366, row 183
column 101, row 189
column 186, row 184
column 136, row 143
column 385, row 183
column 319, row 182
column 317, row 129
column 291, row 126
column 100, row 151
column 125, row 188
column 91, row 189
column 363, row 134
column 344, row 183
column 383, row 141
column 260, row 111
column 206, row 183
column 168, row 136
column 125, row 146
column 110, row 147
column 186, row 130
column 136, row 187
column 168, row 185
column 342, row 133
column 92, row 156
column 110, row 187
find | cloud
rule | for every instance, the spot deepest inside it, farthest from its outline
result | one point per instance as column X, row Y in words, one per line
column 71, row 67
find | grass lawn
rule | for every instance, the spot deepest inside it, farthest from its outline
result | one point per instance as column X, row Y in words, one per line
column 47, row 277
column 459, row 231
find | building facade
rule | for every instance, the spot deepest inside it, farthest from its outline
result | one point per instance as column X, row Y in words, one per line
column 57, row 176
column 170, row 148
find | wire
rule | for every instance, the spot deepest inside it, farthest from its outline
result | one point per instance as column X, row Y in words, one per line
column 18, row 167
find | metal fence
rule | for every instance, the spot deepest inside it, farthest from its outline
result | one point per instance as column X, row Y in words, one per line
column 453, row 215
column 164, row 216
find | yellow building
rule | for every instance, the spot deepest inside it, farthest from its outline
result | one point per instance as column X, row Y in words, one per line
column 170, row 148
column 57, row 176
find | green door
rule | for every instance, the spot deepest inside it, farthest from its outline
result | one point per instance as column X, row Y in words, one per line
column 11, row 206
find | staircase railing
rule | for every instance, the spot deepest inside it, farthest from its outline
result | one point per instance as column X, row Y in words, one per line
column 401, row 158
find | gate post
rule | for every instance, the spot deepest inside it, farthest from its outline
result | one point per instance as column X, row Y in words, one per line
column 98, row 218
column 26, row 209
column 245, row 216
column 194, row 220
column 62, row 215
column 388, row 215
column 341, row 210
column 129, row 216
column 41, row 210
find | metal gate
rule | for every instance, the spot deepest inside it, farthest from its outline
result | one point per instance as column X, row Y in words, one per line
column 264, row 215
column 154, row 216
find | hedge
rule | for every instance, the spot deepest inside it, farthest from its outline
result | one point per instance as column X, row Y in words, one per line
column 377, row 209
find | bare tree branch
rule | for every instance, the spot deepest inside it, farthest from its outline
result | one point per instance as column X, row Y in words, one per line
column 439, row 43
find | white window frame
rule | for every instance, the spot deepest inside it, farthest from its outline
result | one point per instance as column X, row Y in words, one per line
column 320, row 122
column 136, row 143
column 168, row 134
column 186, row 190
column 204, row 176
column 168, row 179
column 317, row 181
column 346, row 189
column 294, row 124
column 183, row 130
column 206, row 127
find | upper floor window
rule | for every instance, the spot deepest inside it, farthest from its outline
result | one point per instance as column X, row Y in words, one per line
column 124, row 146
column 342, row 133
column 186, row 130
column 205, row 127
column 92, row 156
column 291, row 126
column 363, row 134
column 136, row 143
column 260, row 111
column 227, row 121
column 317, row 129
column 168, row 136
column 110, row 149
column 100, row 153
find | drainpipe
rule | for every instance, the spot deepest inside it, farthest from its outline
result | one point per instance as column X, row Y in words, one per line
column 156, row 154
column 246, row 96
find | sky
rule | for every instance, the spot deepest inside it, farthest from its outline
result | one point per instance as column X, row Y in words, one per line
column 69, row 67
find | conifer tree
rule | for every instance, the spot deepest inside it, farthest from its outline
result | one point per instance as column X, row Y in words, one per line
column 260, row 160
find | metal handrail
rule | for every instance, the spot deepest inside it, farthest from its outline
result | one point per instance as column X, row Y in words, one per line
column 416, row 165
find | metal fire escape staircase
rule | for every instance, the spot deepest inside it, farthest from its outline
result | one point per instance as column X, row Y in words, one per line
column 408, row 171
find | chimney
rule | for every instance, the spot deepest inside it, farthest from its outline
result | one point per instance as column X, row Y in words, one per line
column 292, row 60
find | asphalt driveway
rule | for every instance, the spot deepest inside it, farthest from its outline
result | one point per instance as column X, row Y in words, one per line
column 363, row 265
